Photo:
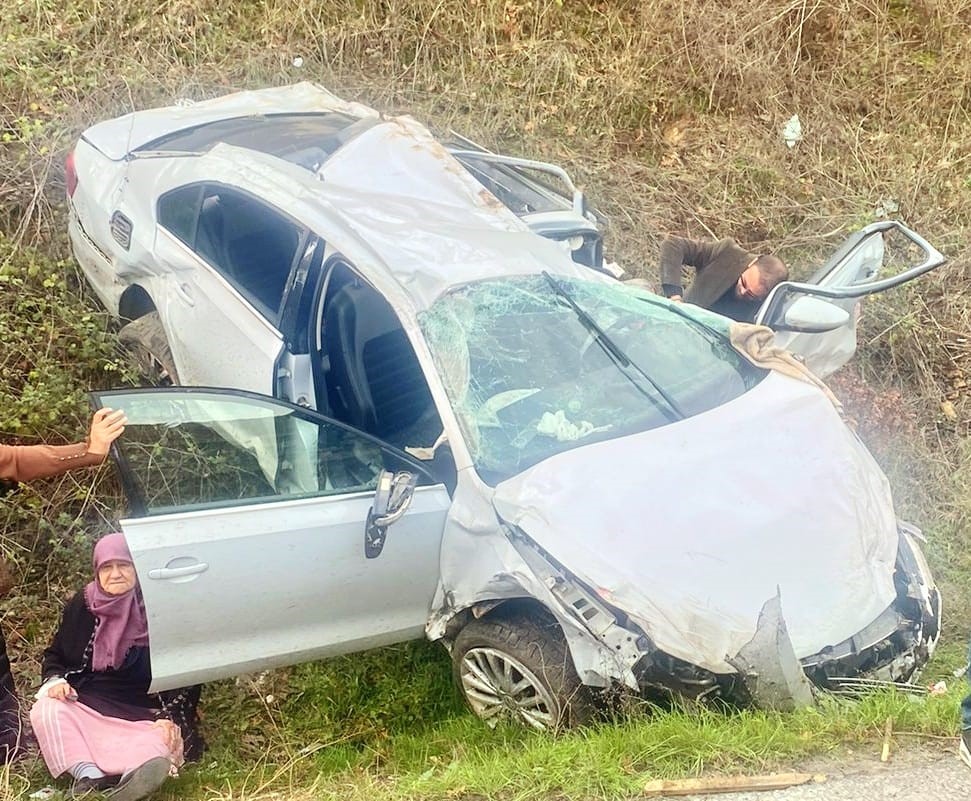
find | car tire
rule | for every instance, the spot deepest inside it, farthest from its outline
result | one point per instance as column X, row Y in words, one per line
column 520, row 669
column 146, row 339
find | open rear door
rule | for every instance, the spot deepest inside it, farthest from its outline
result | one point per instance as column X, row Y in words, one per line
column 817, row 319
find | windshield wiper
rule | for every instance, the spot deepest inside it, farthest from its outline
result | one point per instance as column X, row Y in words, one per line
column 611, row 347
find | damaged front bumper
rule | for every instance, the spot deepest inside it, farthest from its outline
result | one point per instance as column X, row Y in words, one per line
column 889, row 651
column 895, row 646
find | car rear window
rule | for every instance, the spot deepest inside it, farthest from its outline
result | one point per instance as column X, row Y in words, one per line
column 538, row 365
column 305, row 139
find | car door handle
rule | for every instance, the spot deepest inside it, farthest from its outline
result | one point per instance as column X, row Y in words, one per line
column 177, row 572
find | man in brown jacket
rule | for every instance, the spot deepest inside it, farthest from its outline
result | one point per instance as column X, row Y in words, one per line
column 728, row 279
column 25, row 463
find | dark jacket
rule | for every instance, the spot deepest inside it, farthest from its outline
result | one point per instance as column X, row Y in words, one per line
column 717, row 268
column 120, row 692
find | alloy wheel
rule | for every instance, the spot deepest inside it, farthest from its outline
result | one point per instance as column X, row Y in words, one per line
column 498, row 686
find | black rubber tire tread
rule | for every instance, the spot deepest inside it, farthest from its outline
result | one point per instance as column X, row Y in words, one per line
column 146, row 338
column 540, row 646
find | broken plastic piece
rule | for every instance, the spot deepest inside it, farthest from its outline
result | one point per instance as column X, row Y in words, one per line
column 768, row 665
column 792, row 131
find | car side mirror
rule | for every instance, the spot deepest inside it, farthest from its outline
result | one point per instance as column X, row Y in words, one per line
column 391, row 500
column 809, row 315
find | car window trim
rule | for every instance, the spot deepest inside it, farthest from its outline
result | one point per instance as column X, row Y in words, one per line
column 102, row 397
column 299, row 283
column 933, row 259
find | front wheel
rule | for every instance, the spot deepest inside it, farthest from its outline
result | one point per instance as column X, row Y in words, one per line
column 520, row 669
column 146, row 339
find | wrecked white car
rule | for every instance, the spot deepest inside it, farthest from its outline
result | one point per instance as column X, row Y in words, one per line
column 572, row 483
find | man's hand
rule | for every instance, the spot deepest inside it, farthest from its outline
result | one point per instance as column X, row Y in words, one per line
column 676, row 298
column 106, row 427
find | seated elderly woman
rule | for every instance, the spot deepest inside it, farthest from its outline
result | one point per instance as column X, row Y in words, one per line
column 94, row 717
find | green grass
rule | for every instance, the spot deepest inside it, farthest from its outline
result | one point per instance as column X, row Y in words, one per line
column 388, row 725
column 458, row 756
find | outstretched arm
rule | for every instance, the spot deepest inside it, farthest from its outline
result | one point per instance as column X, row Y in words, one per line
column 27, row 462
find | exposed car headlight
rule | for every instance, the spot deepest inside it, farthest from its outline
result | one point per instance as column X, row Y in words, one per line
column 909, row 536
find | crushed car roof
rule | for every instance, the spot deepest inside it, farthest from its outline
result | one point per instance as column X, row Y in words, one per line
column 402, row 208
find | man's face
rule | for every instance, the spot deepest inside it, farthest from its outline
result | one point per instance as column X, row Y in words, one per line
column 750, row 285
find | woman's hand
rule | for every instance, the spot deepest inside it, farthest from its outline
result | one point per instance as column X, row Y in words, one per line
column 106, row 427
column 173, row 741
column 61, row 692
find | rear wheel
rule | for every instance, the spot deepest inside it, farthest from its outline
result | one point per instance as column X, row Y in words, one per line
column 146, row 339
column 520, row 669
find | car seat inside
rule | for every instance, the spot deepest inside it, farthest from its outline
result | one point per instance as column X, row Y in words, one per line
column 373, row 379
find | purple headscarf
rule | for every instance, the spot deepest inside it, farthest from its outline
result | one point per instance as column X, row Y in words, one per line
column 121, row 618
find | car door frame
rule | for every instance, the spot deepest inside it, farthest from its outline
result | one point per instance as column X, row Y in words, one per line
column 826, row 345
column 933, row 258
column 281, row 337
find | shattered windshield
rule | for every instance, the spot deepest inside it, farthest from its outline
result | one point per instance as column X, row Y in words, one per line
column 533, row 369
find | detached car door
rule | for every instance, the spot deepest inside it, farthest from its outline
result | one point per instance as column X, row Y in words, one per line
column 249, row 533
column 817, row 320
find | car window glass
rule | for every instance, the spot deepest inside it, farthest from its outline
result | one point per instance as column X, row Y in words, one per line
column 529, row 378
column 304, row 139
column 252, row 245
column 178, row 211
column 188, row 450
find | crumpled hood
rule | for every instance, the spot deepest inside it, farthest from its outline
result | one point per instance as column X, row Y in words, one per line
column 692, row 527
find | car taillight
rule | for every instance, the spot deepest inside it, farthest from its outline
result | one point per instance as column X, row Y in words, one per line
column 70, row 174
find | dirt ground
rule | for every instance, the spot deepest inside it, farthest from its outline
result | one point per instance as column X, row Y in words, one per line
column 927, row 773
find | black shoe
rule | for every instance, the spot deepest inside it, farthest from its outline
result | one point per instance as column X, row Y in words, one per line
column 964, row 747
column 142, row 781
column 85, row 786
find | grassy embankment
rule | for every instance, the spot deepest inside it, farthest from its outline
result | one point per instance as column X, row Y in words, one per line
column 669, row 114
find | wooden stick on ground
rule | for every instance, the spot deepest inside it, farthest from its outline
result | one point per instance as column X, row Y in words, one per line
column 887, row 734
column 727, row 784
